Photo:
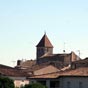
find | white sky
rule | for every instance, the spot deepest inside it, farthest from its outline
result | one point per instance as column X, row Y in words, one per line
column 23, row 22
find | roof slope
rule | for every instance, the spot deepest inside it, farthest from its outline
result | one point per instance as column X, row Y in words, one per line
column 26, row 64
column 44, row 42
column 9, row 71
column 44, row 65
column 83, row 71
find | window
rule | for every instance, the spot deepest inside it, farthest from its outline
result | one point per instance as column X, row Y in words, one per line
column 54, row 84
column 80, row 85
column 68, row 84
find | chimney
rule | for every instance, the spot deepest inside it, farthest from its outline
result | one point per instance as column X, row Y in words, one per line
column 19, row 62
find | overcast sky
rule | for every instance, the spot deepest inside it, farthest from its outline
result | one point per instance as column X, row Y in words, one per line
column 23, row 23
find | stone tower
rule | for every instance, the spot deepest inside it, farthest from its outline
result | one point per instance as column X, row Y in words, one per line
column 44, row 47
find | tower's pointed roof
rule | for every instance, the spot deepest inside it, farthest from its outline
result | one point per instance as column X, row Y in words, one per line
column 44, row 42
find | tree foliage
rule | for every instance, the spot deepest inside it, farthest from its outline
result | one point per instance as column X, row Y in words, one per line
column 34, row 85
column 6, row 82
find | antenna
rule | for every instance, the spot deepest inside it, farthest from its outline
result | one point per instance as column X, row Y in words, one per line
column 45, row 32
column 78, row 57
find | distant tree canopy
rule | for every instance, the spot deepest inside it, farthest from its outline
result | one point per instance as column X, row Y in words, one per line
column 34, row 85
column 6, row 82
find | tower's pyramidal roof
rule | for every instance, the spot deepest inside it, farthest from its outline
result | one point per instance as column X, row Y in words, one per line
column 44, row 42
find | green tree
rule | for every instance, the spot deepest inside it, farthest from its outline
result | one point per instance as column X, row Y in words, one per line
column 6, row 82
column 34, row 85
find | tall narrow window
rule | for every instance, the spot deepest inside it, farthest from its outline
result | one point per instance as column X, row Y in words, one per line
column 68, row 84
column 80, row 85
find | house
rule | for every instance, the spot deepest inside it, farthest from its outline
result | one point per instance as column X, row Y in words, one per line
column 44, row 54
column 18, row 76
column 62, row 70
column 68, row 78
column 55, row 70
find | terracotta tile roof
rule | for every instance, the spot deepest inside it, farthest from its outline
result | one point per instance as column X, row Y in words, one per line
column 82, row 61
column 44, row 42
column 83, row 71
column 56, row 64
column 26, row 64
column 36, row 67
column 9, row 71
column 50, row 75
column 54, row 55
